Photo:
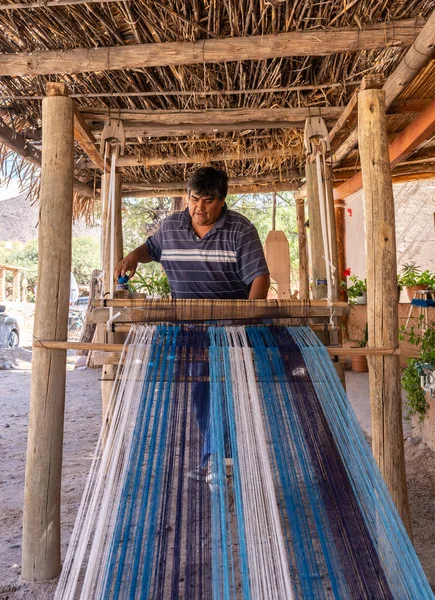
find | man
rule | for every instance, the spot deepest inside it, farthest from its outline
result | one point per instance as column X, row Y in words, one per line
column 207, row 251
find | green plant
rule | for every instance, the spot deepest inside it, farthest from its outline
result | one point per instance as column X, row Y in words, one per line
column 357, row 289
column 425, row 342
column 152, row 283
column 411, row 275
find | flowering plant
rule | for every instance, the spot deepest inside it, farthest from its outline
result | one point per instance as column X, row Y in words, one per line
column 357, row 288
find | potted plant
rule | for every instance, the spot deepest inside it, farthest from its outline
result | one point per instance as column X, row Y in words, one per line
column 413, row 279
column 359, row 362
column 154, row 284
column 357, row 290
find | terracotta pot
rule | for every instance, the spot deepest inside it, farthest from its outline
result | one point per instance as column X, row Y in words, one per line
column 415, row 288
column 359, row 364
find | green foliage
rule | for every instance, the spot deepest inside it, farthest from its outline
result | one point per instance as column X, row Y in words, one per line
column 258, row 209
column 85, row 258
column 411, row 275
column 140, row 218
column 355, row 290
column 152, row 282
column 425, row 342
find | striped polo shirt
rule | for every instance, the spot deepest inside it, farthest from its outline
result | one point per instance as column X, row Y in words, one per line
column 222, row 264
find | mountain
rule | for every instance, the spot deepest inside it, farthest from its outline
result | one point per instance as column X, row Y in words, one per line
column 19, row 220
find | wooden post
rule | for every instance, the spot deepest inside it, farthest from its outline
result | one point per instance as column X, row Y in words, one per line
column 109, row 371
column 316, row 239
column 106, row 228
column 304, row 284
column 382, row 309
column 2, row 285
column 16, row 277
column 340, row 225
column 334, row 239
column 41, row 525
column 178, row 203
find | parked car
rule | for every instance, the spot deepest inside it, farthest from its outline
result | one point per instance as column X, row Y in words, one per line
column 9, row 330
column 81, row 302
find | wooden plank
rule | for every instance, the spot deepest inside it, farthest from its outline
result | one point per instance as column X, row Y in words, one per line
column 233, row 181
column 382, row 308
column 417, row 57
column 133, row 160
column 320, row 42
column 85, row 138
column 260, row 188
column 207, row 313
column 419, row 130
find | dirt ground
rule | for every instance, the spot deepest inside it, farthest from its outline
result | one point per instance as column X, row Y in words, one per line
column 82, row 422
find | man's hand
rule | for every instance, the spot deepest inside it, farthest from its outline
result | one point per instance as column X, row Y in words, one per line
column 130, row 262
column 259, row 288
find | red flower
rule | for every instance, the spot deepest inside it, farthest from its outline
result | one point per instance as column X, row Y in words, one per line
column 347, row 272
column 349, row 210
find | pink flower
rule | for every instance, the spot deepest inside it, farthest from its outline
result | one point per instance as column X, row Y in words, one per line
column 349, row 210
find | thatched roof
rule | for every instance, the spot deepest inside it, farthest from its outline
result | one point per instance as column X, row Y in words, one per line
column 317, row 83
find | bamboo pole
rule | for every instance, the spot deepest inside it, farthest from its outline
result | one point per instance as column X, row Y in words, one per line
column 304, row 283
column 41, row 526
column 316, row 238
column 382, row 309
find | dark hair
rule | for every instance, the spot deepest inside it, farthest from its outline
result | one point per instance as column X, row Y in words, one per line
column 208, row 181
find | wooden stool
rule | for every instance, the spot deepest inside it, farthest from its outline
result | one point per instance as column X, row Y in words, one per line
column 422, row 300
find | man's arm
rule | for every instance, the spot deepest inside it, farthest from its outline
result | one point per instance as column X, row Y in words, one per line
column 259, row 288
column 130, row 262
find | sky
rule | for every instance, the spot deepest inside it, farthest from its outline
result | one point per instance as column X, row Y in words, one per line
column 10, row 191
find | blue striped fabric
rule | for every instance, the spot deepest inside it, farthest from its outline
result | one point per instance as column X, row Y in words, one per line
column 222, row 264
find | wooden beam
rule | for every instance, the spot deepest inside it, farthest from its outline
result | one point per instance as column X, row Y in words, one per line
column 197, row 93
column 84, row 137
column 287, row 186
column 48, row 345
column 422, row 127
column 417, row 57
column 35, row 5
column 382, row 309
column 147, row 130
column 133, row 160
column 212, row 117
column 233, row 181
column 18, row 144
column 320, row 42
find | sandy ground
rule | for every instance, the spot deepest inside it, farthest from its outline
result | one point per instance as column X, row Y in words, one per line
column 82, row 422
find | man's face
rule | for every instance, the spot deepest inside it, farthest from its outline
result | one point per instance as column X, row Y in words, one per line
column 204, row 210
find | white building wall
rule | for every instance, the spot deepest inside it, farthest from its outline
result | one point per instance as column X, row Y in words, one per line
column 415, row 227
